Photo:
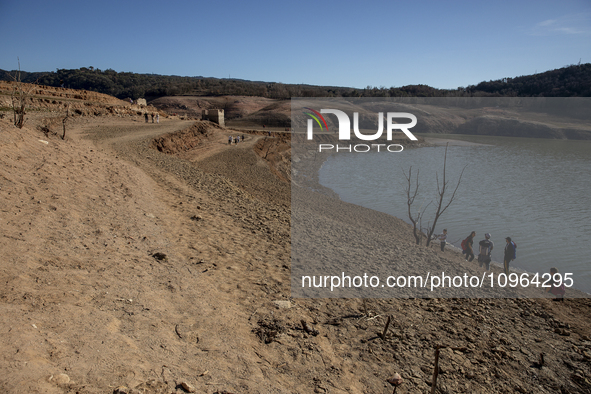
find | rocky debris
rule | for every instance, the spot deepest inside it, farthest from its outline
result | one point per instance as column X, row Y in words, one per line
column 151, row 387
column 395, row 381
column 268, row 330
column 540, row 363
column 160, row 256
column 282, row 304
column 188, row 332
column 186, row 387
column 562, row 331
column 61, row 378
column 309, row 329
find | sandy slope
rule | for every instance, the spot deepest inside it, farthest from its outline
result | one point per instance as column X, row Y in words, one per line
column 81, row 229
column 84, row 294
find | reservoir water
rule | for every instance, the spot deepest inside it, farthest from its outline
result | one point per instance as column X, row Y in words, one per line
column 537, row 191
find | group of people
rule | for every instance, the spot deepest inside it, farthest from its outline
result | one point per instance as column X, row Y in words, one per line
column 236, row 139
column 485, row 248
column 156, row 115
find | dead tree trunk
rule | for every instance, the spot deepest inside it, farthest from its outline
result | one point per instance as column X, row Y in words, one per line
column 435, row 371
column 64, row 122
column 436, row 364
column 411, row 195
column 410, row 199
column 441, row 189
column 19, row 97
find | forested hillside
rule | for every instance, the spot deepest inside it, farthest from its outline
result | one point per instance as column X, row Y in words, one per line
column 571, row 81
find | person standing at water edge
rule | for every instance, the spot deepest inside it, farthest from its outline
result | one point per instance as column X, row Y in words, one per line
column 486, row 247
column 442, row 238
column 509, row 254
column 467, row 246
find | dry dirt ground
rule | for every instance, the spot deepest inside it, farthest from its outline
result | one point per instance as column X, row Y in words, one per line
column 127, row 269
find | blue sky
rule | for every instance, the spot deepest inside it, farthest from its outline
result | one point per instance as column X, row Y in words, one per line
column 444, row 44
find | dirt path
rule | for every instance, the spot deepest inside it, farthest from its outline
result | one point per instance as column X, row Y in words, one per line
column 117, row 315
column 126, row 266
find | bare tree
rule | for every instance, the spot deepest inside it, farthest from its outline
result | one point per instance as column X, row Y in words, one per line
column 411, row 195
column 442, row 188
column 20, row 94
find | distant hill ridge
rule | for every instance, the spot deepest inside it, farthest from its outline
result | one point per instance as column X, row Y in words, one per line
column 570, row 81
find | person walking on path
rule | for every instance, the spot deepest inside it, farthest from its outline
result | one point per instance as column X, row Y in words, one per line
column 146, row 117
column 509, row 254
column 467, row 246
column 443, row 238
column 157, row 117
column 486, row 247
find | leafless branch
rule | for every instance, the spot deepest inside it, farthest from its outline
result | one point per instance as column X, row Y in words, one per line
column 410, row 199
column 441, row 190
column 19, row 97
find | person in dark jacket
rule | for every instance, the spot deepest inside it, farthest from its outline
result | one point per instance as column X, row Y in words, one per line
column 486, row 247
column 509, row 254
column 469, row 250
